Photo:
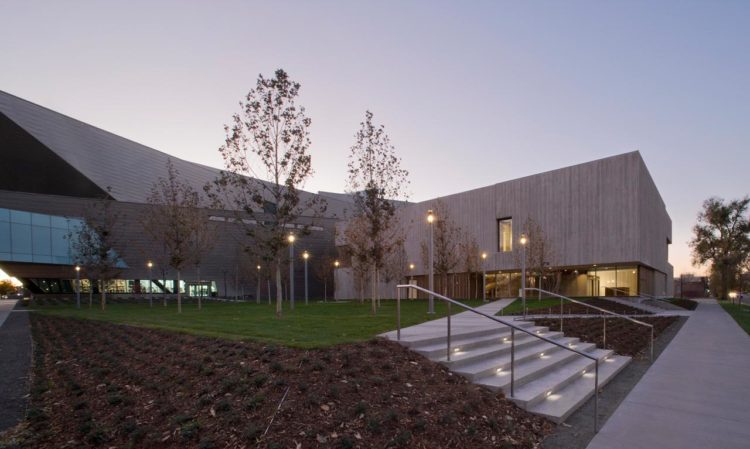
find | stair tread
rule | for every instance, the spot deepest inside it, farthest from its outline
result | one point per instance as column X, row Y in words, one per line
column 560, row 405
column 462, row 340
column 473, row 353
column 550, row 382
column 526, row 365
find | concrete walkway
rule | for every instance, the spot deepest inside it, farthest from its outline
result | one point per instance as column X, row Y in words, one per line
column 696, row 395
column 15, row 362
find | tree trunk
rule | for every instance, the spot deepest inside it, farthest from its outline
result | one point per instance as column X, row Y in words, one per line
column 103, row 287
column 257, row 292
column 374, row 304
column 179, row 293
column 91, row 293
column 164, row 289
column 200, row 289
column 278, row 289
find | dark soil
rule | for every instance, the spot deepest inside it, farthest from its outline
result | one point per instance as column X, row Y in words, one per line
column 571, row 308
column 687, row 304
column 623, row 336
column 98, row 384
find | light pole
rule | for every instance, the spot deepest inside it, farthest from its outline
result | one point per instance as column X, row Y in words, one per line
column 305, row 256
column 150, row 266
column 257, row 289
column 411, row 272
column 291, row 271
column 430, row 300
column 335, row 266
column 78, row 287
column 523, row 272
column 484, row 277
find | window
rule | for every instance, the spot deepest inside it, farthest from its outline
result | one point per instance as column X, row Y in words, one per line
column 505, row 234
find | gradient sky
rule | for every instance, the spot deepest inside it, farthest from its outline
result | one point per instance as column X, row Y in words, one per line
column 471, row 93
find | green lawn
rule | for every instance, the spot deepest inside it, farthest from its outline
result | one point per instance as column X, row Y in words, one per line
column 741, row 314
column 315, row 325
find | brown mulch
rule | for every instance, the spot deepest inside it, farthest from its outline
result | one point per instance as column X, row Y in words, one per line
column 623, row 336
column 571, row 308
column 98, row 384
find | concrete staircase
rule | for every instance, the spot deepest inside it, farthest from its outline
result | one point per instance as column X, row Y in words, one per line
column 549, row 380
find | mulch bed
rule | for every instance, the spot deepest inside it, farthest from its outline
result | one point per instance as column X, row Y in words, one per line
column 623, row 336
column 571, row 308
column 98, row 384
column 687, row 304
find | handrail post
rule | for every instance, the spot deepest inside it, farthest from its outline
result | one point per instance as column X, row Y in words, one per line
column 449, row 333
column 398, row 314
column 604, row 334
column 561, row 314
column 512, row 360
column 596, row 397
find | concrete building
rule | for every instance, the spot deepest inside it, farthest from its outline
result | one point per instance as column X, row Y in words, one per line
column 53, row 167
column 606, row 227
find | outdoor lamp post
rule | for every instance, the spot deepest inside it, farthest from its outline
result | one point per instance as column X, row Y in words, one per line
column 524, row 240
column 78, row 287
column 305, row 256
column 150, row 266
column 335, row 265
column 291, row 270
column 411, row 272
column 257, row 290
column 431, row 301
column 484, row 278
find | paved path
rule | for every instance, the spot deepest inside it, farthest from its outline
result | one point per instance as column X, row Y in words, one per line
column 696, row 395
column 15, row 362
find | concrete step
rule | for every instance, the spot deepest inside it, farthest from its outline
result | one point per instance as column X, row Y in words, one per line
column 464, row 358
column 528, row 359
column 559, row 405
column 535, row 391
column 422, row 335
column 435, row 351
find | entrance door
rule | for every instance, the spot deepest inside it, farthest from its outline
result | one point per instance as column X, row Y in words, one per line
column 592, row 288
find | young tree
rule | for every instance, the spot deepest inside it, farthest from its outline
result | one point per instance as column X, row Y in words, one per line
column 376, row 180
column 446, row 244
column 539, row 254
column 722, row 238
column 176, row 221
column 357, row 251
column 322, row 267
column 93, row 244
column 471, row 259
column 269, row 138
column 7, row 287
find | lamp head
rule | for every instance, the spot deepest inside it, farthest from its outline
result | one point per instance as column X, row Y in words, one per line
column 430, row 216
column 150, row 264
column 305, row 255
column 291, row 238
column 524, row 239
column 78, row 268
column 336, row 264
column 258, row 267
column 484, row 255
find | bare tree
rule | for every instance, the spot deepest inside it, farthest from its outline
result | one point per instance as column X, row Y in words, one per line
column 470, row 255
column 177, row 222
column 93, row 244
column 357, row 251
column 446, row 244
column 540, row 255
column 322, row 267
column 268, row 139
column 376, row 180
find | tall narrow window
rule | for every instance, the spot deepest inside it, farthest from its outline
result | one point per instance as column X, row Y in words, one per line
column 505, row 235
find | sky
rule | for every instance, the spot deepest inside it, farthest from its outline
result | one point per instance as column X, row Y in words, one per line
column 471, row 93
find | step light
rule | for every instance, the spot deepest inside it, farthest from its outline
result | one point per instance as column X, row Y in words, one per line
column 549, row 393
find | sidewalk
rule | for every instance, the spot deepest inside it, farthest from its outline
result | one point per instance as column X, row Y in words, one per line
column 696, row 395
column 15, row 362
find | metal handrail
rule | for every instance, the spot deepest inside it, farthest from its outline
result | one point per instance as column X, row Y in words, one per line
column 513, row 327
column 609, row 312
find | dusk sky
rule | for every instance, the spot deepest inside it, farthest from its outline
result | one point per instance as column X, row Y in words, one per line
column 471, row 93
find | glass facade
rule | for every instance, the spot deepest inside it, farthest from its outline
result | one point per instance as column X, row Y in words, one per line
column 505, row 235
column 35, row 238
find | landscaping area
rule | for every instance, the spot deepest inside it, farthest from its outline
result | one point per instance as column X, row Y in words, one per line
column 308, row 326
column 623, row 336
column 99, row 384
column 740, row 313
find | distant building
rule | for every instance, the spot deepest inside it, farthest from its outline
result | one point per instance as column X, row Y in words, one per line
column 691, row 286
